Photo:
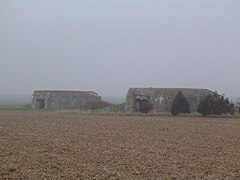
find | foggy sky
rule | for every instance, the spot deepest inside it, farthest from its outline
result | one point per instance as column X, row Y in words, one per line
column 111, row 45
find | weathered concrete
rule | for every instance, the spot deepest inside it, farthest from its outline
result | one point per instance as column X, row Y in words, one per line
column 49, row 100
column 161, row 99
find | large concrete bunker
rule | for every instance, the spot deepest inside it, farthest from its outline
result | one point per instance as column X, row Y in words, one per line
column 161, row 99
column 48, row 100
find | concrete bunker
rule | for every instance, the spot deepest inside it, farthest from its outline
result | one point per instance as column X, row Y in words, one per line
column 157, row 100
column 52, row 100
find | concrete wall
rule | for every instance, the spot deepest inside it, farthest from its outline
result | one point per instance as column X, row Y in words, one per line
column 162, row 98
column 49, row 100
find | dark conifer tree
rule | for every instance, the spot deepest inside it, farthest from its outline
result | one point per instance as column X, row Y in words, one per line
column 180, row 105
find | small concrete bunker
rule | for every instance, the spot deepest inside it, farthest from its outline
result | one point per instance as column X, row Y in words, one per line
column 161, row 99
column 50, row 100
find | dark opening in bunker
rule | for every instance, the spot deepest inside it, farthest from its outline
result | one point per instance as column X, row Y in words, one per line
column 40, row 103
column 143, row 105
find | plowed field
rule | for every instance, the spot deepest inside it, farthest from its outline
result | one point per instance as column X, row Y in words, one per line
column 51, row 145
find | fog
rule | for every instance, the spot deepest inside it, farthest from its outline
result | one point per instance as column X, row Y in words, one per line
column 108, row 46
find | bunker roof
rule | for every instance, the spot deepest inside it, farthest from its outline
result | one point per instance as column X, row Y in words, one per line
column 65, row 92
column 168, row 90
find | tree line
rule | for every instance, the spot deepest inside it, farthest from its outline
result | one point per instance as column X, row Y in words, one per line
column 214, row 104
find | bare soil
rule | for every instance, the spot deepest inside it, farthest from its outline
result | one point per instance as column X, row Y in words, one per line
column 51, row 145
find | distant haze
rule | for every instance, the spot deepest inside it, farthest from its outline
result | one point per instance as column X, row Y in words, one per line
column 108, row 46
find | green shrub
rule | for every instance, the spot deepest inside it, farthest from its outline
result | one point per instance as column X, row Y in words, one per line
column 145, row 107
